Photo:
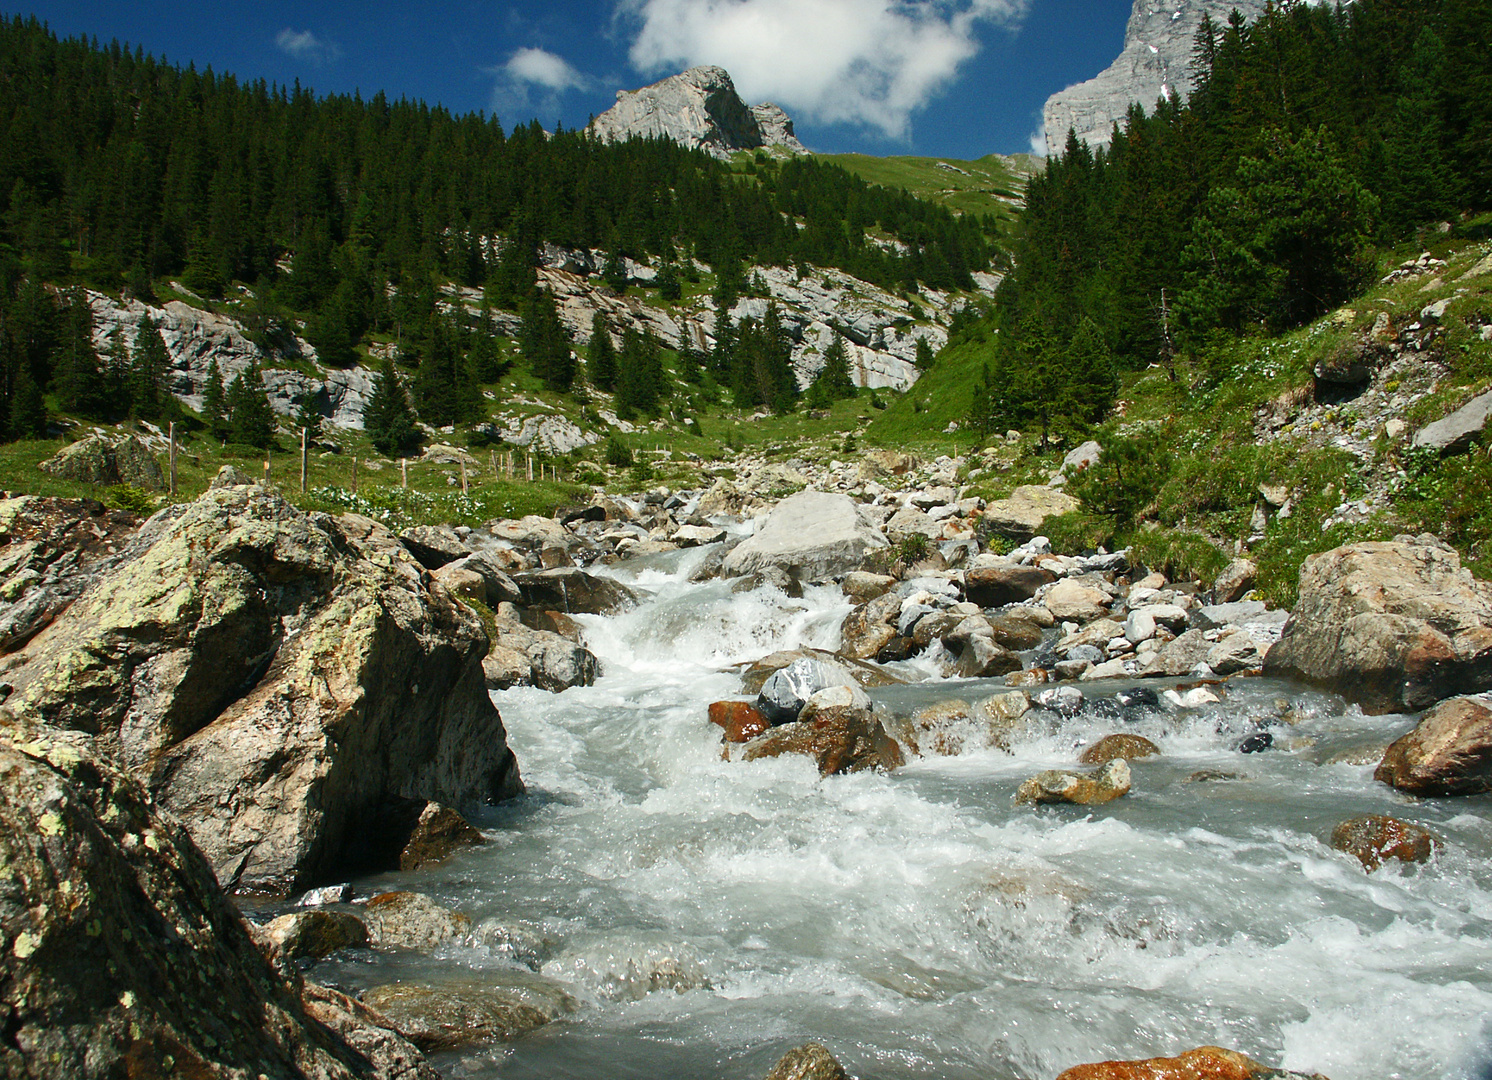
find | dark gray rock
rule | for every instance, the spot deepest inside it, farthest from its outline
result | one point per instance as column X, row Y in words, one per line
column 785, row 693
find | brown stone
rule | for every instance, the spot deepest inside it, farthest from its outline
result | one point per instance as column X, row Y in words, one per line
column 741, row 720
column 498, row 1008
column 1029, row 677
column 439, row 833
column 1448, row 753
column 1075, row 601
column 808, row 1062
column 1204, row 1063
column 1110, row 747
column 1374, row 839
column 1016, row 634
column 314, row 934
column 1083, row 789
column 839, row 739
column 409, row 920
column 997, row 586
column 868, row 629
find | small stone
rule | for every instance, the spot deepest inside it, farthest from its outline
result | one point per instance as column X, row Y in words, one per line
column 1256, row 743
column 438, row 834
column 1237, row 578
column 1112, row 747
column 808, row 1062
column 314, row 934
column 1204, row 1063
column 1059, row 786
column 1028, row 677
column 741, row 720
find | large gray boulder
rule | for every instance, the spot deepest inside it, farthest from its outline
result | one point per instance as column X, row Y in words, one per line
column 1156, row 61
column 1393, row 626
column 812, row 535
column 1448, row 753
column 698, row 109
column 97, row 460
column 1456, row 432
column 1020, row 517
column 124, row 958
column 276, row 679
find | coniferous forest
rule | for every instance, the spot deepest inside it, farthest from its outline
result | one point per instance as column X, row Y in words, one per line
column 121, row 169
column 1313, row 135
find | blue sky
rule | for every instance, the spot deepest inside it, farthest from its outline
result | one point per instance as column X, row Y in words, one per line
column 955, row 78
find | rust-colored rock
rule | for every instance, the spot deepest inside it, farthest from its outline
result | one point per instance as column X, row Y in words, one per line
column 741, row 720
column 1110, row 747
column 1374, row 839
column 1204, row 1063
column 1000, row 585
column 439, row 833
column 1449, row 753
column 841, row 739
column 1062, row 786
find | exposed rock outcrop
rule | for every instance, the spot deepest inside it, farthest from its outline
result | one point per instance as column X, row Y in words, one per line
column 275, row 678
column 1393, row 626
column 698, row 109
column 122, row 956
column 96, row 460
column 1156, row 61
column 812, row 535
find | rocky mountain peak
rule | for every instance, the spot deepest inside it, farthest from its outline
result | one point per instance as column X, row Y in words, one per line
column 700, row 109
column 1156, row 60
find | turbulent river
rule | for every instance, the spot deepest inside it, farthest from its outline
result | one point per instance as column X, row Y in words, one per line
column 708, row 916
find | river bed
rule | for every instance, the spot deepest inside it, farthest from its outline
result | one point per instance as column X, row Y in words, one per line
column 709, row 915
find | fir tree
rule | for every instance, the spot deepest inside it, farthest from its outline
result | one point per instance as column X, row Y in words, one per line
column 28, row 411
column 833, row 381
column 215, row 402
column 546, row 344
column 250, row 420
column 148, row 369
column 924, row 358
column 668, row 283
column 387, row 416
column 77, row 376
column 602, row 365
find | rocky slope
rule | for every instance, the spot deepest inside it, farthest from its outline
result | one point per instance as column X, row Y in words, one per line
column 699, row 109
column 1156, row 61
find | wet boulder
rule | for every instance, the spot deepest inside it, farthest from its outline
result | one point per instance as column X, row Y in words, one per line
column 1204, row 1063
column 122, row 949
column 1083, row 789
column 438, row 833
column 312, row 935
column 498, row 1007
column 1122, row 746
column 863, row 674
column 276, row 678
column 740, row 721
column 1375, row 839
column 1393, row 626
column 574, row 592
column 870, row 628
column 1015, row 633
column 840, row 739
column 808, row 1062
column 861, row 586
column 410, row 920
column 785, row 693
column 1448, row 753
column 813, row 535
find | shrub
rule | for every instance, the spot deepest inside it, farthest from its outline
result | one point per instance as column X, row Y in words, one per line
column 617, row 452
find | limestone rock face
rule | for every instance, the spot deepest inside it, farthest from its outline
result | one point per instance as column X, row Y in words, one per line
column 813, row 535
column 276, row 679
column 698, row 109
column 1394, row 626
column 121, row 950
column 1156, row 61
column 1448, row 753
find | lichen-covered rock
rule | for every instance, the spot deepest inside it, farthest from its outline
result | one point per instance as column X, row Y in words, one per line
column 1061, row 786
column 275, row 678
column 1393, row 626
column 122, row 957
column 1375, row 839
column 808, row 1062
column 1020, row 517
column 1448, row 753
column 97, row 460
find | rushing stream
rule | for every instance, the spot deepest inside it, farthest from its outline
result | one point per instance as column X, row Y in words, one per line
column 708, row 915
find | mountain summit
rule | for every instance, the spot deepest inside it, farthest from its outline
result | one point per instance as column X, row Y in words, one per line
column 1156, row 60
column 699, row 109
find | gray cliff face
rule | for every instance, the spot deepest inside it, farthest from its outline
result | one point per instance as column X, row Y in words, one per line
column 699, row 109
column 1156, row 61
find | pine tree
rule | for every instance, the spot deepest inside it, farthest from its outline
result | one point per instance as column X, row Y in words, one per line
column 76, row 374
column 215, row 403
column 690, row 363
column 602, row 365
column 387, row 416
column 148, row 368
column 117, row 373
column 28, row 411
column 668, row 283
column 546, row 344
column 924, row 358
column 250, row 420
column 833, row 381
column 487, row 364
column 308, row 415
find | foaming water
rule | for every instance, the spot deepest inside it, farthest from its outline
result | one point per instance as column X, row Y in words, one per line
column 709, row 915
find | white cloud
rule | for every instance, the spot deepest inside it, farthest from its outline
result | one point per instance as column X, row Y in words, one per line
column 1038, row 140
column 867, row 62
column 541, row 68
column 530, row 83
column 304, row 45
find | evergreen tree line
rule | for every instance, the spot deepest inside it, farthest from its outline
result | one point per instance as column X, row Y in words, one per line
column 1312, row 134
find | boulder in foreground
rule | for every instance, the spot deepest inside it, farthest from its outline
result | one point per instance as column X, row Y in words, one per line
column 808, row 1062
column 1083, row 789
column 1374, row 839
column 277, row 680
column 1393, row 626
column 1204, row 1063
column 123, row 957
column 812, row 535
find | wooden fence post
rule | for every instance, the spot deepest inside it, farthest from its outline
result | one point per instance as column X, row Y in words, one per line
column 354, row 474
column 173, row 457
column 404, row 472
column 463, row 478
column 266, row 472
column 304, row 433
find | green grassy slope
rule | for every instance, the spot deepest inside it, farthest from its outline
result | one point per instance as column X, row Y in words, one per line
column 992, row 185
